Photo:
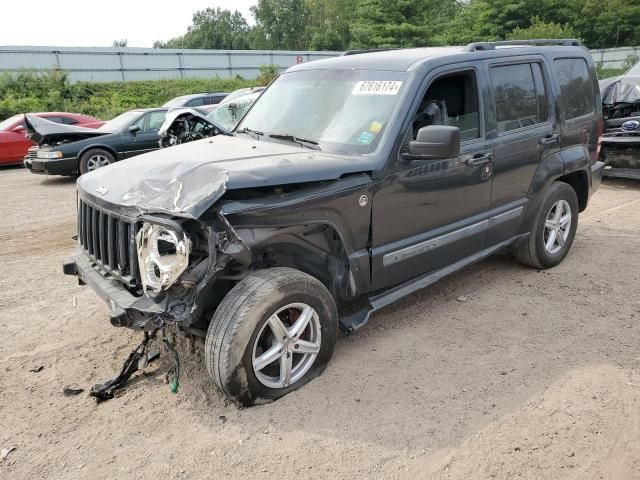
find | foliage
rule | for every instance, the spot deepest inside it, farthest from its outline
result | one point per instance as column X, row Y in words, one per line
column 120, row 43
column 344, row 24
column 609, row 72
column 401, row 23
column 540, row 29
column 33, row 92
column 213, row 28
column 267, row 74
column 282, row 23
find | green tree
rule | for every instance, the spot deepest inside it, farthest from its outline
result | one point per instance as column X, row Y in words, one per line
column 329, row 23
column 540, row 29
column 281, row 24
column 120, row 43
column 401, row 23
column 213, row 28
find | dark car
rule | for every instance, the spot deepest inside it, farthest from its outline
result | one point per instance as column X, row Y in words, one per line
column 196, row 100
column 14, row 144
column 351, row 183
column 621, row 139
column 69, row 150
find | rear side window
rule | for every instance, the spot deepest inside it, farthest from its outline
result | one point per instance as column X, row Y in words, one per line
column 68, row 120
column 576, row 87
column 520, row 96
column 197, row 102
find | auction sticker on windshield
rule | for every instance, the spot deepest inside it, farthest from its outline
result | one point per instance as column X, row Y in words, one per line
column 377, row 87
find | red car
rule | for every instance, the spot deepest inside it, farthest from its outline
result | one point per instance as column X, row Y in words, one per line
column 13, row 143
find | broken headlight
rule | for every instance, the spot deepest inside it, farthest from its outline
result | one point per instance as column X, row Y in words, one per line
column 163, row 255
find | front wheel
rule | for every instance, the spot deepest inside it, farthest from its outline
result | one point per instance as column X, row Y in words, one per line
column 272, row 333
column 554, row 228
column 94, row 159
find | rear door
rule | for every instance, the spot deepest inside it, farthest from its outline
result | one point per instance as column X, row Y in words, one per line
column 524, row 130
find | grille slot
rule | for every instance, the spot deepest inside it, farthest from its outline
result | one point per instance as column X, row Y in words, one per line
column 109, row 240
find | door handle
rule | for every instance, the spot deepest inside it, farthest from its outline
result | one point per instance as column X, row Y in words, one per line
column 480, row 159
column 550, row 139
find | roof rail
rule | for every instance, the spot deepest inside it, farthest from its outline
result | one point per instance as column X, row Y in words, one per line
column 480, row 46
column 358, row 52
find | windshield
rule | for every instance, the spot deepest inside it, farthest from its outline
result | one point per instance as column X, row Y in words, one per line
column 635, row 70
column 9, row 122
column 343, row 111
column 228, row 114
column 121, row 121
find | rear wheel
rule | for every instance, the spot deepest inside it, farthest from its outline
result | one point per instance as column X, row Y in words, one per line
column 273, row 332
column 94, row 159
column 554, row 229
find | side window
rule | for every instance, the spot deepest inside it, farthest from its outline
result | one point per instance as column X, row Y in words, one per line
column 520, row 96
column 576, row 87
column 156, row 119
column 196, row 102
column 68, row 120
column 54, row 119
column 151, row 121
column 450, row 100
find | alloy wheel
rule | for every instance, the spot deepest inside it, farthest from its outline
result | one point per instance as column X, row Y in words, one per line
column 557, row 226
column 97, row 161
column 286, row 346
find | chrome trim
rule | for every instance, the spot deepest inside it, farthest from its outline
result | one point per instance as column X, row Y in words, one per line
column 451, row 237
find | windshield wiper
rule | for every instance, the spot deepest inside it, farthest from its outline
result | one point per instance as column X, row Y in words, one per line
column 304, row 142
column 252, row 133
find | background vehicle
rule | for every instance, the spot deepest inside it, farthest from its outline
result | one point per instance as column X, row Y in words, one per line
column 241, row 92
column 189, row 124
column 69, row 150
column 351, row 182
column 621, row 139
column 196, row 100
column 13, row 141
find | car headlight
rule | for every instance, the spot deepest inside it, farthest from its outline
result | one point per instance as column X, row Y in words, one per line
column 48, row 154
column 163, row 255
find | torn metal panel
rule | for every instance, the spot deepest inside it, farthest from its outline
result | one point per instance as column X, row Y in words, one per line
column 625, row 89
column 43, row 131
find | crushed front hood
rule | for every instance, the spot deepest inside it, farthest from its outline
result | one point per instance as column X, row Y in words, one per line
column 188, row 179
column 44, row 131
column 620, row 90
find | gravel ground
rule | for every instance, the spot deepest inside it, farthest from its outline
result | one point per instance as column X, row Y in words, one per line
column 499, row 371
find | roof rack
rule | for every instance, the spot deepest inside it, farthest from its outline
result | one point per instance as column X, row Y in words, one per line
column 480, row 46
column 358, row 52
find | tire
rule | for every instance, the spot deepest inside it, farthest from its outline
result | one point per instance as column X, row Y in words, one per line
column 95, row 158
column 538, row 250
column 242, row 331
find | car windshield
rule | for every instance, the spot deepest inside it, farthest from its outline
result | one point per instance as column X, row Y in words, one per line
column 344, row 111
column 635, row 70
column 9, row 122
column 121, row 121
column 228, row 114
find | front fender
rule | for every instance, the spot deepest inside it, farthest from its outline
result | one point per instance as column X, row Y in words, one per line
column 339, row 205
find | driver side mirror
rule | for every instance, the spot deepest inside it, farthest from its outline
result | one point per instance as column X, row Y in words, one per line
column 435, row 142
column 133, row 129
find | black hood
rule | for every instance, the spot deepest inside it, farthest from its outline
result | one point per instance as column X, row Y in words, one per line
column 188, row 179
column 44, row 131
column 625, row 89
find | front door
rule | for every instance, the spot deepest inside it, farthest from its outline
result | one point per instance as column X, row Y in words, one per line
column 431, row 213
column 146, row 139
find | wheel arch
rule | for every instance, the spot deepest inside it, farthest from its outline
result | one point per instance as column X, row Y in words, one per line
column 107, row 148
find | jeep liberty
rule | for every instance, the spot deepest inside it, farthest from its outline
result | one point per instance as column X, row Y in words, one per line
column 351, row 183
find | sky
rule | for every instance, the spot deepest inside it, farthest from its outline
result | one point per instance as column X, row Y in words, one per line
column 90, row 23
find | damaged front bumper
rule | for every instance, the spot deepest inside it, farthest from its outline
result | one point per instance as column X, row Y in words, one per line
column 621, row 155
column 126, row 309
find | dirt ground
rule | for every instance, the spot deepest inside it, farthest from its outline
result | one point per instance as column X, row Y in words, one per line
column 499, row 371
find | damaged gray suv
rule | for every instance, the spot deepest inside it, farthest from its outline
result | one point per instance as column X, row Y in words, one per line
column 349, row 184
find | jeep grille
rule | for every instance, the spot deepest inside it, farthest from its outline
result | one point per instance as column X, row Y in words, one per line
column 109, row 240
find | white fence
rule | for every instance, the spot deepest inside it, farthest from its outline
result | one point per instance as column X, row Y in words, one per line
column 122, row 64
column 615, row 57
